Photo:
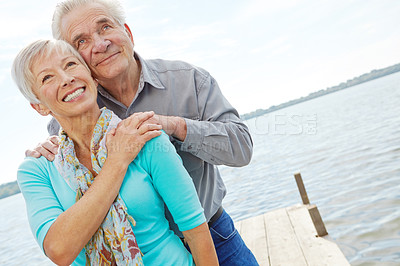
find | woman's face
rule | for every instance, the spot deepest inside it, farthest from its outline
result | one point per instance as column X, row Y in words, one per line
column 63, row 85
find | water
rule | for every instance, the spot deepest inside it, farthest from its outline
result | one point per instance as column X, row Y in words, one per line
column 346, row 146
column 17, row 245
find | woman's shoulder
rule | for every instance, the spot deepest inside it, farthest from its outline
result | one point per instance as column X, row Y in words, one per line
column 34, row 167
column 35, row 163
column 160, row 143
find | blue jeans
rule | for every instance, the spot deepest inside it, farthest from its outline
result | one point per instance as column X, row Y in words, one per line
column 231, row 250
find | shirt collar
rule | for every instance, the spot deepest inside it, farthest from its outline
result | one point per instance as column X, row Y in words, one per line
column 146, row 75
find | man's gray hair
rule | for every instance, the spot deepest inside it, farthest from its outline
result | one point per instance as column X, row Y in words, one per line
column 113, row 8
column 21, row 70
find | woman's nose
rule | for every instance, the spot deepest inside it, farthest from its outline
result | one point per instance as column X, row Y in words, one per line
column 67, row 80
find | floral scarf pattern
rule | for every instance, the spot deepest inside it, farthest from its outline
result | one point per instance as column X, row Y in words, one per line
column 114, row 241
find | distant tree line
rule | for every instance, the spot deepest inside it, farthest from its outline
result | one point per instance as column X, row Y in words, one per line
column 9, row 189
column 374, row 74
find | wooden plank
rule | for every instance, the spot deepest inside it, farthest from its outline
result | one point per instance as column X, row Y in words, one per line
column 253, row 233
column 317, row 250
column 302, row 189
column 317, row 220
column 283, row 248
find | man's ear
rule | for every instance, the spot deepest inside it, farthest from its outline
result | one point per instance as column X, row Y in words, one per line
column 41, row 109
column 129, row 32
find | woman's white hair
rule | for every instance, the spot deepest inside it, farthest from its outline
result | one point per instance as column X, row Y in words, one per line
column 113, row 8
column 21, row 70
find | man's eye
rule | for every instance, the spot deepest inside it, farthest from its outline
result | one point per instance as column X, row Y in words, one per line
column 45, row 78
column 80, row 43
column 106, row 27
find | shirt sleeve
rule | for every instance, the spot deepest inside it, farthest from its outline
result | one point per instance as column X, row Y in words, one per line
column 220, row 137
column 173, row 183
column 53, row 127
column 42, row 205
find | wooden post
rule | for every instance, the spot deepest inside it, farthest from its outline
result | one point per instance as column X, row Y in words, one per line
column 312, row 209
column 317, row 220
column 302, row 189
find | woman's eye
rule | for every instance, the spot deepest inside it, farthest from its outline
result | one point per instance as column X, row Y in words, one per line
column 70, row 64
column 45, row 78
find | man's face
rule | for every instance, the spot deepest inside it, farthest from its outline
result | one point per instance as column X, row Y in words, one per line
column 106, row 46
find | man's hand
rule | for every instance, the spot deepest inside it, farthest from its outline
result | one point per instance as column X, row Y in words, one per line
column 174, row 126
column 48, row 149
column 125, row 142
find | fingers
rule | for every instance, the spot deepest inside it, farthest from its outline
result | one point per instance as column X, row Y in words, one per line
column 54, row 139
column 48, row 149
column 148, row 127
column 44, row 152
column 139, row 123
column 32, row 153
column 51, row 144
column 150, row 135
column 136, row 119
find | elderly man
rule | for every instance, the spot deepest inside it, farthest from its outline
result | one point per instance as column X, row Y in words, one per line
column 205, row 129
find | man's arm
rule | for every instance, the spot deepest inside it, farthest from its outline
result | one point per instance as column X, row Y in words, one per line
column 219, row 137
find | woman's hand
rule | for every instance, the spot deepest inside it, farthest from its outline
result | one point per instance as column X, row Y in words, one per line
column 174, row 126
column 201, row 245
column 125, row 142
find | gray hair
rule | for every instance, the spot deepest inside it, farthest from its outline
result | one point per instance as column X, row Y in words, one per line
column 21, row 70
column 113, row 8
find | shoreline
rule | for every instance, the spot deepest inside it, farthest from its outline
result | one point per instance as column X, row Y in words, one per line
column 374, row 74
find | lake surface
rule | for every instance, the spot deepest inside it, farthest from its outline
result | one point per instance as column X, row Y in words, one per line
column 346, row 145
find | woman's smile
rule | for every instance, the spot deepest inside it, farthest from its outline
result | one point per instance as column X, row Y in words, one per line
column 73, row 95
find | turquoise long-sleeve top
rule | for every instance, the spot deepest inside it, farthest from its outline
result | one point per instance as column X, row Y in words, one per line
column 155, row 177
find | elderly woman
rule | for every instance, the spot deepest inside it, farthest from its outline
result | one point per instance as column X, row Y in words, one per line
column 101, row 201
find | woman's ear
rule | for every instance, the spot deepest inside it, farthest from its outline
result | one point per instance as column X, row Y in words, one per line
column 41, row 109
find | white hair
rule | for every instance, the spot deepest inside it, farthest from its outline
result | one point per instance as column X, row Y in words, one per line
column 113, row 8
column 21, row 70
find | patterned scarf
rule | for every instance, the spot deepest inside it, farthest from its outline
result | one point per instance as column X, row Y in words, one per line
column 114, row 241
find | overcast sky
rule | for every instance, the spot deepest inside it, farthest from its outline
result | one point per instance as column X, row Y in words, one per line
column 262, row 52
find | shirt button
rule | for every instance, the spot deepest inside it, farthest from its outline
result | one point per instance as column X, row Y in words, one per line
column 190, row 147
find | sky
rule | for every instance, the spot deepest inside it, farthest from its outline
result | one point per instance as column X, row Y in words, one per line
column 261, row 52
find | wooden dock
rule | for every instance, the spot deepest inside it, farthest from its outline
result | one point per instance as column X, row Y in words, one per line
column 294, row 235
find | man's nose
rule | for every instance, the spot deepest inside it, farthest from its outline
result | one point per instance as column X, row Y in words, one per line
column 100, row 44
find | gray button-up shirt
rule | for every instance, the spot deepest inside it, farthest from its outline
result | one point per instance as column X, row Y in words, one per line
column 215, row 133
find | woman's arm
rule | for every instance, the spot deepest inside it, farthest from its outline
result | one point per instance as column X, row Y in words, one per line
column 175, row 186
column 72, row 229
column 201, row 245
